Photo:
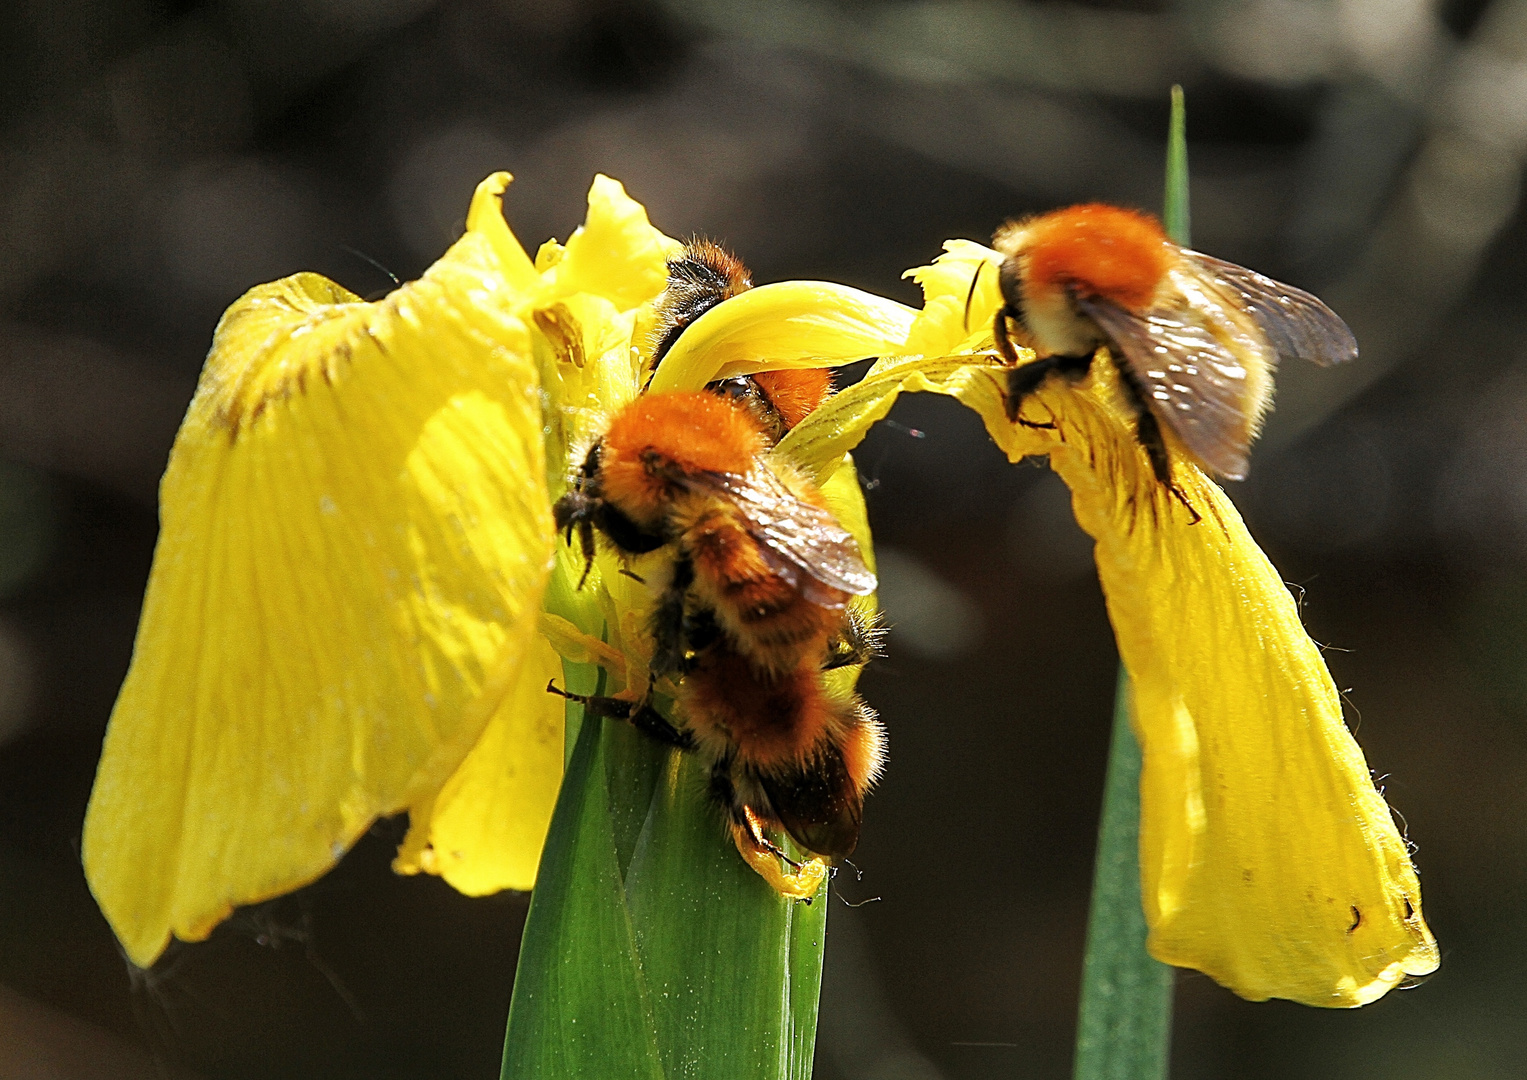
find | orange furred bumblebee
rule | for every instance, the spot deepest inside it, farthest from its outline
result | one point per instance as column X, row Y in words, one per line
column 753, row 610
column 1195, row 339
column 702, row 276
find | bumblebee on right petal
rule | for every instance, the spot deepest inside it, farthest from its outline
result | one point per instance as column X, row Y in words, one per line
column 1195, row 339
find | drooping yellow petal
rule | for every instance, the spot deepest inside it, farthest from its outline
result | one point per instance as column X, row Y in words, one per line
column 485, row 830
column 353, row 523
column 785, row 324
column 1269, row 861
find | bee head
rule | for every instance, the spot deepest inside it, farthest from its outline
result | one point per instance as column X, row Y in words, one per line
column 579, row 507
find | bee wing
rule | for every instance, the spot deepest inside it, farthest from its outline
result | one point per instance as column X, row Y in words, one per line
column 1296, row 323
column 1197, row 364
column 804, row 536
column 818, row 805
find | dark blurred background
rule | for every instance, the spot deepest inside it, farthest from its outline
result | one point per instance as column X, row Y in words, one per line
column 156, row 159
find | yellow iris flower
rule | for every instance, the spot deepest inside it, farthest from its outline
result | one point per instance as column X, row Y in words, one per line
column 358, row 599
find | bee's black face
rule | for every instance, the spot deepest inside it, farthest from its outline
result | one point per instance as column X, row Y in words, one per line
column 572, row 510
column 589, row 469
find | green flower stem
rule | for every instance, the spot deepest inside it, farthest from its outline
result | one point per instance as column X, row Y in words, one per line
column 1124, row 1027
column 1125, row 1024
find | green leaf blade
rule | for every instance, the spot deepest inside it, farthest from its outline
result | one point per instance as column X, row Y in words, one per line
column 719, row 947
column 1124, row 1027
column 580, row 1006
column 651, row 950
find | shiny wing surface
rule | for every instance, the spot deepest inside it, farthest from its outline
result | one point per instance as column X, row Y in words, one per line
column 1198, row 368
column 818, row 805
column 802, row 534
column 1297, row 324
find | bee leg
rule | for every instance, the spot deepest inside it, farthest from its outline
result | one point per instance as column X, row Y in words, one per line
column 786, row 876
column 999, row 332
column 650, row 722
column 1025, row 379
column 640, row 715
column 586, row 541
column 667, row 621
column 1022, row 379
column 1148, row 433
column 860, row 640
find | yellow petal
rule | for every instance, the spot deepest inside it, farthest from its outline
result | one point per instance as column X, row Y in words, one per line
column 818, row 443
column 589, row 371
column 845, row 498
column 1269, row 861
column 960, row 299
column 353, row 519
column 486, row 216
column 786, row 324
column 616, row 253
column 485, row 830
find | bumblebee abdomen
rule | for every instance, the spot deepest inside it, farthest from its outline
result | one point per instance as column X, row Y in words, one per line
column 773, row 721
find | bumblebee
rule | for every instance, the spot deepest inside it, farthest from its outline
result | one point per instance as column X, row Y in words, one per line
column 1196, row 339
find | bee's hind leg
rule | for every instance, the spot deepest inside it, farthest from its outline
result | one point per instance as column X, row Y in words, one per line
column 859, row 640
column 639, row 714
column 1025, row 379
column 796, row 880
column 1148, row 434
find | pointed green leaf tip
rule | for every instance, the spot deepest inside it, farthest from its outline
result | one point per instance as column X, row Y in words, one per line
column 1176, row 218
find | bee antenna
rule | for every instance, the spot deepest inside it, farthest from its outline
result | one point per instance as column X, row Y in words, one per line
column 855, row 904
column 971, row 295
column 362, row 255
